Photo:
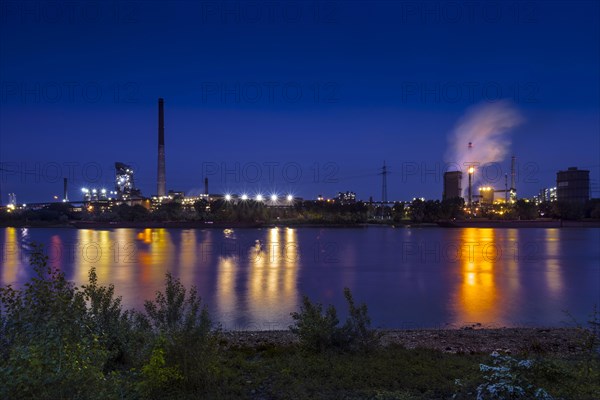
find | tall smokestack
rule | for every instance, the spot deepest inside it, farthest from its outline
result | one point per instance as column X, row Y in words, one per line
column 206, row 186
column 65, row 197
column 513, row 173
column 161, row 176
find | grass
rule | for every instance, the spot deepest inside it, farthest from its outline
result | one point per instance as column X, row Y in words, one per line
column 288, row 372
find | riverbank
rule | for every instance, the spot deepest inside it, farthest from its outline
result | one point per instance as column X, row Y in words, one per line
column 469, row 340
column 410, row 365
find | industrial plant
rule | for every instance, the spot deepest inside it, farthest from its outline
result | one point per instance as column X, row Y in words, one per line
column 478, row 197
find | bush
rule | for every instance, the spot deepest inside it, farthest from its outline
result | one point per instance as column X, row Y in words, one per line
column 357, row 330
column 319, row 331
column 185, row 332
column 60, row 341
column 120, row 332
column 50, row 350
column 506, row 378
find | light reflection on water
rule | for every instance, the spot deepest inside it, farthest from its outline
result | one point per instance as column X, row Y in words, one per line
column 477, row 299
column 410, row 278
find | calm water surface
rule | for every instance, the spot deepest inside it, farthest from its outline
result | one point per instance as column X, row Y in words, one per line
column 409, row 278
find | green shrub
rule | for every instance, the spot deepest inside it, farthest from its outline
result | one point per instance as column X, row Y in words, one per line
column 319, row 331
column 158, row 379
column 190, row 338
column 357, row 330
column 123, row 333
column 505, row 378
column 50, row 350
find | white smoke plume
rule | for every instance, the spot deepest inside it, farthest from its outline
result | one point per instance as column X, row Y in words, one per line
column 487, row 128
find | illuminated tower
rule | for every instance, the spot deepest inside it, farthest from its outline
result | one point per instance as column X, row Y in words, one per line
column 161, row 176
column 471, row 171
column 124, row 184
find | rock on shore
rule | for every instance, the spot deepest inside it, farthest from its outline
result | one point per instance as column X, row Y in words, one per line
column 466, row 340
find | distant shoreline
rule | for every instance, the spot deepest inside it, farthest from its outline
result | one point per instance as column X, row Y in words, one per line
column 294, row 224
column 520, row 224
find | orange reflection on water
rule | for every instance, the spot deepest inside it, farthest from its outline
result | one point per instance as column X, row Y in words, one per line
column 226, row 291
column 188, row 256
column 94, row 248
column 273, row 268
column 145, row 236
column 155, row 259
column 553, row 271
column 477, row 299
column 10, row 256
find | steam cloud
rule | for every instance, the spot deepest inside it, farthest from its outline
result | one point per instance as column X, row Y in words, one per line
column 487, row 128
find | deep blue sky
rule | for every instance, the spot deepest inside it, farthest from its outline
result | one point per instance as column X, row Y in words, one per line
column 378, row 81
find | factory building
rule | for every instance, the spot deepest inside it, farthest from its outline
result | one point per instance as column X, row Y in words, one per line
column 124, row 183
column 546, row 195
column 452, row 185
column 573, row 185
column 346, row 197
column 486, row 195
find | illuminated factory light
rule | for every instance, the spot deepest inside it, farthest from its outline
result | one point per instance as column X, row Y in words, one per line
column 471, row 170
column 273, row 197
column 244, row 196
column 290, row 197
column 85, row 190
column 228, row 197
column 103, row 191
column 259, row 197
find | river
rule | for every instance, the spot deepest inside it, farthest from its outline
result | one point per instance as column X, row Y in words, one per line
column 409, row 277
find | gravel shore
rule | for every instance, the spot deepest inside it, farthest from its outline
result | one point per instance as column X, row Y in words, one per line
column 562, row 341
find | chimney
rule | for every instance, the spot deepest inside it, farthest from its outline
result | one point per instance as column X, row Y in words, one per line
column 65, row 197
column 161, row 176
column 512, row 173
column 206, row 186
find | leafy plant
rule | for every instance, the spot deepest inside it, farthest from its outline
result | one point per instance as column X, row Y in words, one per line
column 505, row 379
column 357, row 329
column 51, row 350
column 159, row 379
column 190, row 339
column 319, row 331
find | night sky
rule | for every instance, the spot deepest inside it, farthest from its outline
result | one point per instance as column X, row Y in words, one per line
column 302, row 97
